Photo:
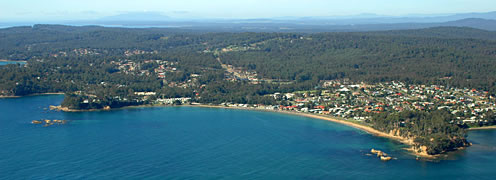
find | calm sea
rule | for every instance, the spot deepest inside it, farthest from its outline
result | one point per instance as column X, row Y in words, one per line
column 204, row 143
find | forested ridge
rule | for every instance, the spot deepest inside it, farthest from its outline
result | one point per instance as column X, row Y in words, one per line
column 415, row 56
column 468, row 62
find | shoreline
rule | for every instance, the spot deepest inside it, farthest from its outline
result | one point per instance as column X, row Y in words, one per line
column 482, row 128
column 4, row 60
column 356, row 125
column 37, row 94
column 6, row 97
column 40, row 94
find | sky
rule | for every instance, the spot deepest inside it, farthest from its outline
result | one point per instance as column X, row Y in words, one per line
column 35, row 10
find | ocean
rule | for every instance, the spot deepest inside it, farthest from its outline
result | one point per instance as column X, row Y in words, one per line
column 210, row 143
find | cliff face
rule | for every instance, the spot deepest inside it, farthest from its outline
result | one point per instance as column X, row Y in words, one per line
column 432, row 145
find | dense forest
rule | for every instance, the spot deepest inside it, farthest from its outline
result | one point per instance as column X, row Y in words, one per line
column 426, row 60
column 461, row 57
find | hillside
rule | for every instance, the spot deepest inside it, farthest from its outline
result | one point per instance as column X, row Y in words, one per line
column 465, row 55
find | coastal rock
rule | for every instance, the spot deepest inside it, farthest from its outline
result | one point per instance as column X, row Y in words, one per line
column 36, row 122
column 373, row 151
column 385, row 158
column 382, row 155
column 47, row 122
column 60, row 108
column 421, row 150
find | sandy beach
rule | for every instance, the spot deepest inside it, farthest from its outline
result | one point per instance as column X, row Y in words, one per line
column 10, row 97
column 38, row 94
column 57, row 93
column 4, row 60
column 482, row 128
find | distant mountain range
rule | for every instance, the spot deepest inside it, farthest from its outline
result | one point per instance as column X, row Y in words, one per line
column 362, row 22
column 378, row 19
column 328, row 20
column 268, row 26
column 137, row 16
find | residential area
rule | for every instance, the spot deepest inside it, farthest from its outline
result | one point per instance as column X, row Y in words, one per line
column 360, row 101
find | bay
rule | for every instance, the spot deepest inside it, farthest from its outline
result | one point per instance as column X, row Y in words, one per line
column 208, row 143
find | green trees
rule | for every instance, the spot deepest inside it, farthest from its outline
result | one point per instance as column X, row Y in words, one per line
column 374, row 57
column 436, row 130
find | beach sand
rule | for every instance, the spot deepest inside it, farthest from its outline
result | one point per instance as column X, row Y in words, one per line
column 10, row 97
column 482, row 128
column 38, row 94
column 4, row 60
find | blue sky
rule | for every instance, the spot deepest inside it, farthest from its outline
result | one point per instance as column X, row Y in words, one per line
column 11, row 10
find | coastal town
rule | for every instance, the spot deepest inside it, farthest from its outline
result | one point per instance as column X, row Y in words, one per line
column 92, row 52
column 336, row 98
column 359, row 101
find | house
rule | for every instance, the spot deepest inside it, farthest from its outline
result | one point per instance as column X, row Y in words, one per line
column 325, row 112
column 469, row 121
column 145, row 93
column 320, row 107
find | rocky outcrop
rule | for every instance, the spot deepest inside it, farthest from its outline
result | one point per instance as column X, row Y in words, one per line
column 429, row 147
column 382, row 155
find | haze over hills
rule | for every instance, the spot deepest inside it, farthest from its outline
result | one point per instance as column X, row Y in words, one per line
column 357, row 23
column 137, row 16
column 362, row 22
column 365, row 18
column 378, row 19
column 266, row 25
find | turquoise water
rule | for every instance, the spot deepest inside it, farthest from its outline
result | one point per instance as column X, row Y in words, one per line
column 204, row 143
column 11, row 62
